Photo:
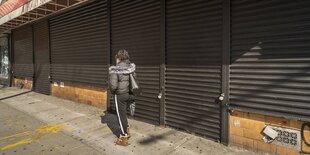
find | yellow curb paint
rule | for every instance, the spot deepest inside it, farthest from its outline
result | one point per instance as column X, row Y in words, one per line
column 34, row 135
column 25, row 141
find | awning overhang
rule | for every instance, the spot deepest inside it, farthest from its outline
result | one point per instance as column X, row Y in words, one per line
column 34, row 10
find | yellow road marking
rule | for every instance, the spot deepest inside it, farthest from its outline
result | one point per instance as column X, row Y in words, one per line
column 34, row 135
column 25, row 141
column 50, row 128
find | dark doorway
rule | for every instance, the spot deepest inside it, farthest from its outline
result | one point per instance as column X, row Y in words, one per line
column 4, row 61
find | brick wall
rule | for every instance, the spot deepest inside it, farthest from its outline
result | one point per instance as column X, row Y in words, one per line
column 83, row 94
column 246, row 128
column 27, row 82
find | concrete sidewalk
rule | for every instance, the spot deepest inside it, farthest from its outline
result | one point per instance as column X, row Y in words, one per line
column 95, row 131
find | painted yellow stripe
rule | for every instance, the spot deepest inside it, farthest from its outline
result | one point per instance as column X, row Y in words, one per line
column 50, row 128
column 25, row 141
column 34, row 135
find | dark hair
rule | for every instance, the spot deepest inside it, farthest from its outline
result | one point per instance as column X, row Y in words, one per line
column 122, row 55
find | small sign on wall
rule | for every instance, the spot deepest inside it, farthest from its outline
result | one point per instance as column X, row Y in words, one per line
column 287, row 137
column 62, row 84
column 237, row 123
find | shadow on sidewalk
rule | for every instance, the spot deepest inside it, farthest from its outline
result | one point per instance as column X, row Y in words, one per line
column 15, row 95
column 154, row 138
column 111, row 121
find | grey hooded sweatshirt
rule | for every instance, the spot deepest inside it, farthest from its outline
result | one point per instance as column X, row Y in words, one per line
column 119, row 77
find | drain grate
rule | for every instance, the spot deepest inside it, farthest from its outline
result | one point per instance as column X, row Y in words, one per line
column 287, row 138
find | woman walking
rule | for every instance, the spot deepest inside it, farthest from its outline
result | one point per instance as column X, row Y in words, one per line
column 119, row 87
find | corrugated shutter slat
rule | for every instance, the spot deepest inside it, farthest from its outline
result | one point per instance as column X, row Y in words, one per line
column 42, row 57
column 193, row 74
column 23, row 52
column 135, row 26
column 270, row 57
column 79, row 51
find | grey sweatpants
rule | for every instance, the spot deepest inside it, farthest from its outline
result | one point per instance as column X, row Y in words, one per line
column 121, row 103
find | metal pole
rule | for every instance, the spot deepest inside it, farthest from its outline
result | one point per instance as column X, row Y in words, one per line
column 33, row 59
column 109, row 49
column 225, row 73
column 162, row 60
column 50, row 56
column 9, row 37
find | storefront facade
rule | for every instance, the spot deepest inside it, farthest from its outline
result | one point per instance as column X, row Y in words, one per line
column 199, row 63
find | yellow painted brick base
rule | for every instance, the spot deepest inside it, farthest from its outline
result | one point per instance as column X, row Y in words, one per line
column 246, row 128
column 83, row 94
column 26, row 81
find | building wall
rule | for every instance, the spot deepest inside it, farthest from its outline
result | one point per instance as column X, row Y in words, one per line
column 83, row 94
column 27, row 82
column 246, row 128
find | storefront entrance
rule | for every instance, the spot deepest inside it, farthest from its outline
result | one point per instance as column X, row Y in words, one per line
column 4, row 61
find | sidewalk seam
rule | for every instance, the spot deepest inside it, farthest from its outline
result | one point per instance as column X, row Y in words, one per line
column 184, row 140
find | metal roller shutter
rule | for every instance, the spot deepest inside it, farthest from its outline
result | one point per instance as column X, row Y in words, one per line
column 42, row 57
column 270, row 57
column 23, row 51
column 194, row 59
column 135, row 26
column 79, row 52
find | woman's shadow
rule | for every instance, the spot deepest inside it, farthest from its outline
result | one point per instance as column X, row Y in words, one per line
column 111, row 120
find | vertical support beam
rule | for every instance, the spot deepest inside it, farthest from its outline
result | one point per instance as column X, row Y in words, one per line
column 49, row 55
column 162, row 60
column 225, row 72
column 109, row 50
column 33, row 59
column 10, row 59
column 109, row 31
column 49, row 49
